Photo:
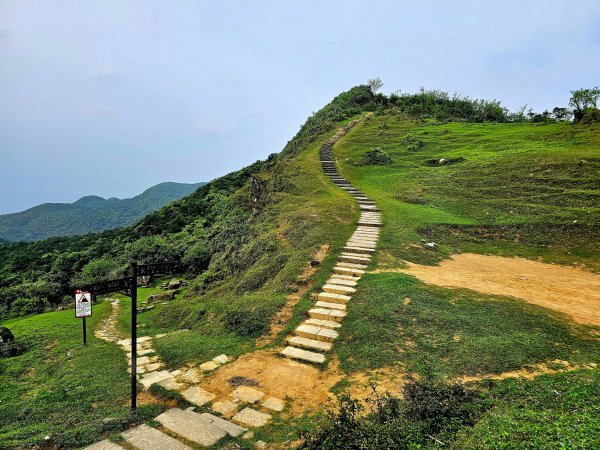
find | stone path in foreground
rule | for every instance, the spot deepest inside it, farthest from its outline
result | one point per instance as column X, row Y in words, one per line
column 314, row 337
column 245, row 408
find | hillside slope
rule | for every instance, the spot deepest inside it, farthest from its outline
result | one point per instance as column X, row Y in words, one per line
column 259, row 245
column 89, row 214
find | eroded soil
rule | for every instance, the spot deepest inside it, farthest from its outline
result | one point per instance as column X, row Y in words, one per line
column 569, row 290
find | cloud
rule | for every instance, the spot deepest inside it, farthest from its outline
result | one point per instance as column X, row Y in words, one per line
column 108, row 74
column 103, row 110
column 209, row 126
column 4, row 34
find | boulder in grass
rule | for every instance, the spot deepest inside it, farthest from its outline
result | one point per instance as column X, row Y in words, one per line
column 161, row 297
column 174, row 284
column 6, row 335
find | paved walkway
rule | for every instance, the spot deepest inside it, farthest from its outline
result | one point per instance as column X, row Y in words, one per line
column 315, row 336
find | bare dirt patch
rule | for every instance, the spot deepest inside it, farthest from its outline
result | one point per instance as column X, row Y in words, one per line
column 569, row 290
column 304, row 387
column 304, row 282
column 529, row 372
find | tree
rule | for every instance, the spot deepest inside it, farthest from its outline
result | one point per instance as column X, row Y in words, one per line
column 375, row 84
column 582, row 99
column 562, row 114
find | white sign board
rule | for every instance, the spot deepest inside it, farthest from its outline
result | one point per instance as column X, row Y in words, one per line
column 83, row 304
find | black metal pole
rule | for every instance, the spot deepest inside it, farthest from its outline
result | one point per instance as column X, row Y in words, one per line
column 133, row 336
column 84, row 333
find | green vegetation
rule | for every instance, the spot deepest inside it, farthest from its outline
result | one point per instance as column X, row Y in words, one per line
column 466, row 174
column 89, row 214
column 61, row 389
column 508, row 189
column 443, row 333
column 558, row 411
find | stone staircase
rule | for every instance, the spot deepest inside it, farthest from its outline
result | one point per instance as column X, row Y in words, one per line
column 314, row 337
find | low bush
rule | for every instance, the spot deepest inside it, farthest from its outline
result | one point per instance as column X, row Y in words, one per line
column 429, row 412
column 590, row 116
column 26, row 306
column 13, row 348
column 248, row 323
column 378, row 157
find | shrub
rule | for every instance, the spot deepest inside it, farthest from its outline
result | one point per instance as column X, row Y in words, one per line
column 26, row 306
column 590, row 116
column 428, row 410
column 197, row 258
column 441, row 406
column 8, row 349
column 248, row 323
column 412, row 142
column 378, row 157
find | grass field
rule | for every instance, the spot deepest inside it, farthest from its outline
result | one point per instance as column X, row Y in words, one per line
column 441, row 333
column 508, row 189
column 60, row 389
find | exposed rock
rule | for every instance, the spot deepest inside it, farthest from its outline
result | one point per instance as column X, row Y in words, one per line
column 6, row 335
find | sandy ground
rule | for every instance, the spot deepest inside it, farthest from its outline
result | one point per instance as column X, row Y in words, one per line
column 302, row 386
column 569, row 290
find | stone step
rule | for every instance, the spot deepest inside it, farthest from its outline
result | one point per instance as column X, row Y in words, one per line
column 330, row 305
column 352, row 265
column 228, row 427
column 348, row 271
column 311, row 344
column 355, row 259
column 334, row 298
column 316, row 333
column 144, row 437
column 358, row 249
column 365, row 237
column 191, row 426
column 337, row 289
column 370, row 224
column 368, row 242
column 303, row 355
column 345, row 277
column 341, row 281
column 323, row 323
column 364, row 240
column 327, row 314
column 155, row 377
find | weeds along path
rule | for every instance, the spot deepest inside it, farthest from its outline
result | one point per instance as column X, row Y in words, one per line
column 314, row 337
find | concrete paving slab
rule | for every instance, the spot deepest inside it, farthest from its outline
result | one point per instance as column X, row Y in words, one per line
column 197, row 395
column 247, row 394
column 252, row 417
column 230, row 428
column 191, row 426
column 145, row 437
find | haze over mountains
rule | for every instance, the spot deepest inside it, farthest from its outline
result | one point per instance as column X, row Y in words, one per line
column 89, row 214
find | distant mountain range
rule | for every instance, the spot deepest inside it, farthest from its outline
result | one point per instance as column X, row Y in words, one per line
column 89, row 214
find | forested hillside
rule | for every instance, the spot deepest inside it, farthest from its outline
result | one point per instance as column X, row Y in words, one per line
column 89, row 214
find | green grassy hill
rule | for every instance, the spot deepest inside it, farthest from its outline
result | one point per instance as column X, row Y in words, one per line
column 90, row 214
column 527, row 189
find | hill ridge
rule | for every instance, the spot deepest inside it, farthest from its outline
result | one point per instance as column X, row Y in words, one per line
column 89, row 214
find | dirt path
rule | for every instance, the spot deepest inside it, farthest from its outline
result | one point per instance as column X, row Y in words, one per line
column 569, row 290
column 108, row 328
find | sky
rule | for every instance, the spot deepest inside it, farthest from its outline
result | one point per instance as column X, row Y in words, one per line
column 111, row 97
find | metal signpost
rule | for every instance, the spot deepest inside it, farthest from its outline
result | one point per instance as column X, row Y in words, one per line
column 128, row 286
column 83, row 309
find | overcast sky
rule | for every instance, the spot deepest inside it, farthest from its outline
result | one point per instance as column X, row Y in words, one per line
column 111, row 97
